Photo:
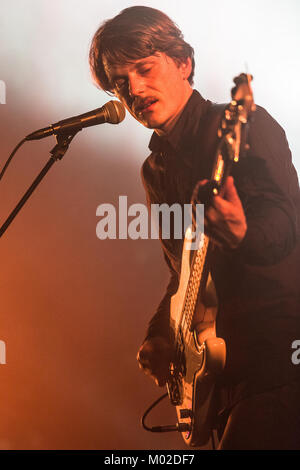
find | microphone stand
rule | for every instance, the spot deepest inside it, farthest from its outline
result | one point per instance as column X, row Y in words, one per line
column 57, row 153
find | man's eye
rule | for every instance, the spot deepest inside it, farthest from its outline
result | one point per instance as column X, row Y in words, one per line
column 145, row 71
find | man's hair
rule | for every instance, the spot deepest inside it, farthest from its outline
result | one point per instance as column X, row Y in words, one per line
column 134, row 34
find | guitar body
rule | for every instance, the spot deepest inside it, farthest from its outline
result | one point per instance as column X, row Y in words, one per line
column 202, row 356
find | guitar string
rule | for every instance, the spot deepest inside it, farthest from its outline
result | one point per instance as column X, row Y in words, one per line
column 184, row 326
column 186, row 333
column 184, row 329
column 196, row 281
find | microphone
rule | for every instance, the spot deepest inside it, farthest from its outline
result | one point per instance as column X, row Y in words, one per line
column 112, row 112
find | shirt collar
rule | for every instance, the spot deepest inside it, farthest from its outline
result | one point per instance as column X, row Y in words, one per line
column 186, row 125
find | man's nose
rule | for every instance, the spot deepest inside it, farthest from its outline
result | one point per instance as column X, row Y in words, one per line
column 136, row 85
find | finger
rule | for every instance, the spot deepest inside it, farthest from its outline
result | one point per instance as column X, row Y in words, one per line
column 230, row 191
column 143, row 359
column 158, row 377
column 201, row 183
column 211, row 216
column 160, row 382
column 143, row 365
column 198, row 186
column 221, row 205
column 155, row 370
column 228, row 205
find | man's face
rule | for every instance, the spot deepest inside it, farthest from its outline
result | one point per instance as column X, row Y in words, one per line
column 154, row 89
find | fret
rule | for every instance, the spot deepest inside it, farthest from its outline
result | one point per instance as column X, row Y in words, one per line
column 193, row 287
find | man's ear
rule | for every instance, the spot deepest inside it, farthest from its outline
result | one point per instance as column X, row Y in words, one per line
column 186, row 68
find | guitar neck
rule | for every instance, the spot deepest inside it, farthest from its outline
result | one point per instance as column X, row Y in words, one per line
column 231, row 134
column 197, row 280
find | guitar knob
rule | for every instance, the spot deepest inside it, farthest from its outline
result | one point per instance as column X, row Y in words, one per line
column 185, row 413
column 183, row 427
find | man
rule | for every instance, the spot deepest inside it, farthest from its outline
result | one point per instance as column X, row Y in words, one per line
column 142, row 58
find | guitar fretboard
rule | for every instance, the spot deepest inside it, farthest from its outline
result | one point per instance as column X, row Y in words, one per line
column 196, row 277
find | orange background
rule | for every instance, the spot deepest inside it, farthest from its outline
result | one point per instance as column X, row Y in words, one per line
column 74, row 308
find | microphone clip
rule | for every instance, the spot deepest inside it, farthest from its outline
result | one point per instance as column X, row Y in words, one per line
column 63, row 142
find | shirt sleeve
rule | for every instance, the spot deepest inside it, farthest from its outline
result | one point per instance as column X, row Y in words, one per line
column 159, row 325
column 268, row 187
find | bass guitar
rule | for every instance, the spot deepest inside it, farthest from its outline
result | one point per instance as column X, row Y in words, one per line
column 200, row 355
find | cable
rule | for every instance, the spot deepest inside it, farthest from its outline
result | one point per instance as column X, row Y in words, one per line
column 166, row 428
column 11, row 156
column 179, row 427
column 153, row 429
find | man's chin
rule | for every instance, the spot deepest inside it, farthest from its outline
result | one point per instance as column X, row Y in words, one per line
column 151, row 123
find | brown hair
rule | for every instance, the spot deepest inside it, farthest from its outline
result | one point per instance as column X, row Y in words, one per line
column 136, row 33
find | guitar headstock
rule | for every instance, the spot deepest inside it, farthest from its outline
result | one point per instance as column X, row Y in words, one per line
column 232, row 133
column 236, row 116
column 233, row 130
column 242, row 96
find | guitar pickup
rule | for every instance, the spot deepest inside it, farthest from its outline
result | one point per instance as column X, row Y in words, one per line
column 185, row 413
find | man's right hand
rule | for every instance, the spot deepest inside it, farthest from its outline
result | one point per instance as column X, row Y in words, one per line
column 154, row 359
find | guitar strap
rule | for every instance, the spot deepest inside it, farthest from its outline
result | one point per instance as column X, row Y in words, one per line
column 209, row 131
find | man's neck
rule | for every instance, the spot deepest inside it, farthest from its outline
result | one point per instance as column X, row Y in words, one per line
column 167, row 131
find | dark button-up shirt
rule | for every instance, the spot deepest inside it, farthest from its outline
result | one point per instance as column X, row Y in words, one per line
column 257, row 284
